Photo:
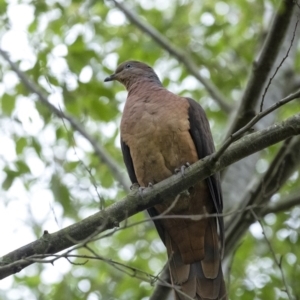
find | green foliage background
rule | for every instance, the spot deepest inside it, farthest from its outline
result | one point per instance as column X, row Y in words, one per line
column 71, row 40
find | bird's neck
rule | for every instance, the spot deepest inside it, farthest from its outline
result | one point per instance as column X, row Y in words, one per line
column 143, row 84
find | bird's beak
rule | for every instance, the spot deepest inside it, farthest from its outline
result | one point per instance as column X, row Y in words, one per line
column 110, row 78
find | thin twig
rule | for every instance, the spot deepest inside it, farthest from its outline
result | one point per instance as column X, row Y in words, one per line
column 161, row 291
column 164, row 216
column 136, row 271
column 277, row 261
column 170, row 208
column 179, row 54
column 100, row 151
column 238, row 134
column 263, row 65
column 92, row 178
column 278, row 67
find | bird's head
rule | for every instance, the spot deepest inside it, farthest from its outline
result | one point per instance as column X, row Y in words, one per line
column 133, row 71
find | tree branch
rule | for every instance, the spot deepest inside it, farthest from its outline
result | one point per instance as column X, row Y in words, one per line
column 283, row 165
column 161, row 291
column 282, row 205
column 99, row 150
column 16, row 260
column 262, row 67
column 285, row 203
column 180, row 55
column 239, row 175
column 278, row 67
column 253, row 121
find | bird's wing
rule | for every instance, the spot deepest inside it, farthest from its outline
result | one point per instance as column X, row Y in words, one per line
column 128, row 162
column 130, row 169
column 201, row 135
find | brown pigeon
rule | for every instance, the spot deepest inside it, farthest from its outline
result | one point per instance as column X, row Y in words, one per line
column 160, row 133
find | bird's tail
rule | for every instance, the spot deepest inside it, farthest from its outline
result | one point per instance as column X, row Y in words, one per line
column 194, row 284
column 203, row 279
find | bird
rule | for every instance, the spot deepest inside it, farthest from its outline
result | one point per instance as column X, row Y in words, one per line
column 161, row 133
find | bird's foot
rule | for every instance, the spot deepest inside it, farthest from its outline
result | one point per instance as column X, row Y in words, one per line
column 140, row 189
column 134, row 186
column 182, row 168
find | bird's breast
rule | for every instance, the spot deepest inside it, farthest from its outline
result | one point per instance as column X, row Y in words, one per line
column 157, row 133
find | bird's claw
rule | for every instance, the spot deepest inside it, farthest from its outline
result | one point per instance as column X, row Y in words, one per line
column 182, row 168
column 134, row 186
column 140, row 189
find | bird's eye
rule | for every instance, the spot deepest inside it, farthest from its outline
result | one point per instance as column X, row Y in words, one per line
column 128, row 66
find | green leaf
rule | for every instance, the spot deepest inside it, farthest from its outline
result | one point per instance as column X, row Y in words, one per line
column 61, row 193
column 36, row 146
column 10, row 177
column 21, row 143
column 8, row 103
column 33, row 26
column 22, row 167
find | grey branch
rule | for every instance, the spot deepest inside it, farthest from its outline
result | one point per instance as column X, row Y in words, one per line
column 253, row 121
column 239, row 175
column 180, row 55
column 262, row 67
column 278, row 67
column 16, row 260
column 283, row 165
column 100, row 151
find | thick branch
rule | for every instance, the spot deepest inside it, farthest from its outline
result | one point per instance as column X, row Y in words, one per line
column 283, row 165
column 100, row 151
column 109, row 218
column 180, row 55
column 239, row 175
column 262, row 67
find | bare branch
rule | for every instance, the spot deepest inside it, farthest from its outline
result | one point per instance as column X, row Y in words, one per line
column 161, row 291
column 263, row 66
column 252, row 122
column 279, row 66
column 99, row 150
column 133, row 203
column 179, row 54
column 131, row 271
